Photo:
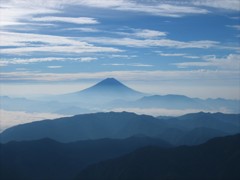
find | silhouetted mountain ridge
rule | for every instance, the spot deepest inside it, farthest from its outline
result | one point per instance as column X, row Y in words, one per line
column 51, row 160
column 217, row 159
column 87, row 126
column 188, row 129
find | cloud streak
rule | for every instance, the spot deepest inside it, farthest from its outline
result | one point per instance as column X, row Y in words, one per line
column 82, row 29
column 177, row 55
column 25, row 43
column 144, row 43
column 79, row 20
column 21, row 12
column 132, row 64
column 54, row 67
column 177, row 75
column 230, row 62
column 172, row 54
column 6, row 62
column 219, row 4
column 237, row 27
column 148, row 33
column 163, row 8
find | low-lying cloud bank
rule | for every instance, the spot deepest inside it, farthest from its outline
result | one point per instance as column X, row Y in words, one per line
column 12, row 118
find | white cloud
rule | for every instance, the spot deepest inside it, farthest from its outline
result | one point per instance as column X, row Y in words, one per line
column 140, row 33
column 147, row 33
column 78, row 20
column 177, row 55
column 87, row 59
column 235, row 18
column 143, row 43
column 122, row 56
column 21, row 12
column 12, row 118
column 163, row 8
column 172, row 54
column 237, row 27
column 16, row 12
column 28, row 39
column 131, row 64
column 58, row 49
column 54, row 67
column 192, row 57
column 83, row 29
column 230, row 62
column 201, row 75
column 5, row 62
column 220, row 4
column 25, row 12
column 28, row 43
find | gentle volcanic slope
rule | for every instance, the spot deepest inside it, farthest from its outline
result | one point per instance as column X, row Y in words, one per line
column 105, row 91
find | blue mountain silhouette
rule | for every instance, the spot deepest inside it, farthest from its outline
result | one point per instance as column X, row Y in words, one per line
column 105, row 91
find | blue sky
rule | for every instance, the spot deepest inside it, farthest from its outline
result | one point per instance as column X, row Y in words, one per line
column 181, row 47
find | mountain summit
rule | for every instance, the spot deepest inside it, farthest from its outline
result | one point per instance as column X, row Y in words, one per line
column 110, row 86
column 107, row 85
column 109, row 82
column 105, row 91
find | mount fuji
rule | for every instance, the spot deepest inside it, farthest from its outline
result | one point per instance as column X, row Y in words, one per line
column 105, row 91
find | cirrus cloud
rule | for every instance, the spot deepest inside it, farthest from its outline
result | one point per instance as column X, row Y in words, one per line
column 6, row 62
column 230, row 62
column 143, row 43
column 177, row 75
column 25, row 43
column 78, row 20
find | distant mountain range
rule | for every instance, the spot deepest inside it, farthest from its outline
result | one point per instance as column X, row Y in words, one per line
column 188, row 129
column 110, row 94
column 172, row 101
column 217, row 159
column 40, row 106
